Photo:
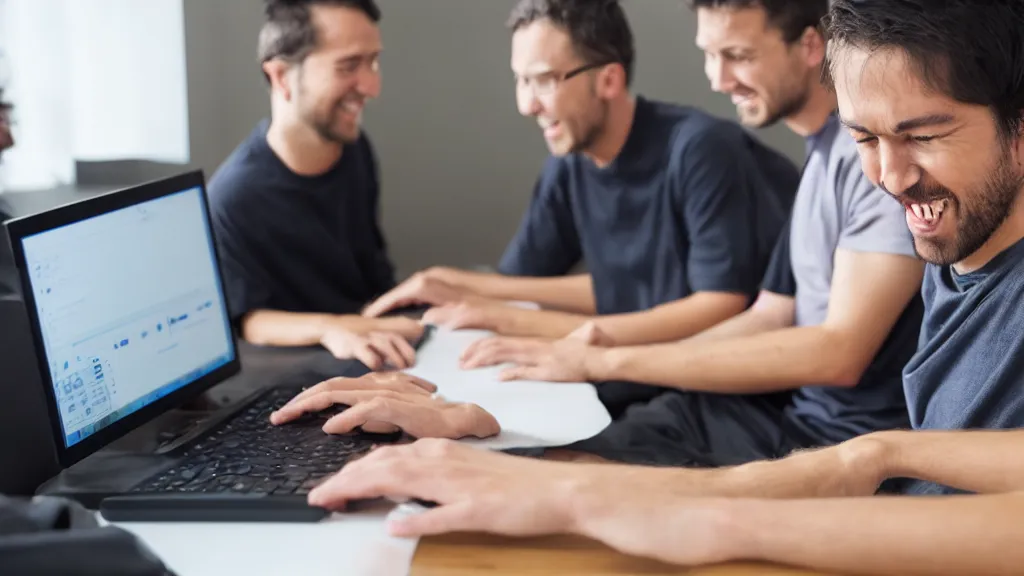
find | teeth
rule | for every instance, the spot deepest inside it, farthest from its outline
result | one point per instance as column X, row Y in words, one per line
column 928, row 214
column 916, row 208
column 938, row 206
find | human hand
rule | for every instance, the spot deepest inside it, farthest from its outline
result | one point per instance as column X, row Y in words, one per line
column 565, row 360
column 590, row 333
column 384, row 403
column 468, row 316
column 376, row 349
column 632, row 509
column 418, row 290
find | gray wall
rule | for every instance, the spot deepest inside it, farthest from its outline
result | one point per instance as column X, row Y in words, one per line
column 446, row 129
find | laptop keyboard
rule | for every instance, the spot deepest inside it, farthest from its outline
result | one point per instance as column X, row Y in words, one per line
column 248, row 455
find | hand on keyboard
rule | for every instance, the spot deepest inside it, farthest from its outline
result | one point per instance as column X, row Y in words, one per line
column 385, row 402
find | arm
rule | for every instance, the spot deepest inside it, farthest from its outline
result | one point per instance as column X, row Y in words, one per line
column 275, row 328
column 573, row 294
column 869, row 293
column 674, row 320
column 956, row 535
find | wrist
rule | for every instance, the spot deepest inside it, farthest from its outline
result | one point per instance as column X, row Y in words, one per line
column 601, row 364
column 874, row 455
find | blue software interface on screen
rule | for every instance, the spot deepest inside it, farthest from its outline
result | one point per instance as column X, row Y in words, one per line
column 130, row 308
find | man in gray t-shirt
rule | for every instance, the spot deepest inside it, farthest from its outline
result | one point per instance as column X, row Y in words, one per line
column 817, row 359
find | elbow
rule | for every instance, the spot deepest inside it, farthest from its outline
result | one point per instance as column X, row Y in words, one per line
column 842, row 365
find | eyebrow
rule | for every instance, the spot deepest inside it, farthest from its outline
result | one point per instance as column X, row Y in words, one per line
column 907, row 125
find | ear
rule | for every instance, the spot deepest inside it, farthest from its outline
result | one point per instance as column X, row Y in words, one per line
column 280, row 81
column 611, row 82
column 813, row 45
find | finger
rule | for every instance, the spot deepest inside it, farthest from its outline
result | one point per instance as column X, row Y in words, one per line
column 500, row 353
column 388, row 302
column 405, row 349
column 523, row 373
column 438, row 315
column 365, row 478
column 417, row 420
column 385, row 347
column 325, row 399
column 441, row 520
column 368, row 356
column 420, row 383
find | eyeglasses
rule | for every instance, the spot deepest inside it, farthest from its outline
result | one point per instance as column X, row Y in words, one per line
column 546, row 83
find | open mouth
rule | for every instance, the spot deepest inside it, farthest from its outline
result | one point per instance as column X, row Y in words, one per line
column 925, row 217
column 551, row 130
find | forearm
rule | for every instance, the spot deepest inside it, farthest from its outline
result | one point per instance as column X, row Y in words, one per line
column 768, row 362
column 673, row 321
column 276, row 328
column 952, row 535
column 537, row 323
column 574, row 294
column 974, row 461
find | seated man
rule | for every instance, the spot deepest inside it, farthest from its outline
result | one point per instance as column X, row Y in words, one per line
column 673, row 211
column 838, row 316
column 948, row 142
column 294, row 207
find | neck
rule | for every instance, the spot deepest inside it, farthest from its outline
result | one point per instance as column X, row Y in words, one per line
column 1011, row 232
column 300, row 148
column 821, row 102
column 616, row 131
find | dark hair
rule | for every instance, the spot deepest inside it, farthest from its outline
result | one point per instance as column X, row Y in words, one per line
column 598, row 28
column 971, row 51
column 288, row 32
column 791, row 17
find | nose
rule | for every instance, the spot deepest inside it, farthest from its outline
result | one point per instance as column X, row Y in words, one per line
column 369, row 82
column 719, row 75
column 527, row 102
column 896, row 171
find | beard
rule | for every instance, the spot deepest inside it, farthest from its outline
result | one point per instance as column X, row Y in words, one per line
column 592, row 131
column 326, row 124
column 981, row 212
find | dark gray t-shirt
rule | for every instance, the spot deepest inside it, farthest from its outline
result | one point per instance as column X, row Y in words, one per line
column 969, row 369
column 838, row 208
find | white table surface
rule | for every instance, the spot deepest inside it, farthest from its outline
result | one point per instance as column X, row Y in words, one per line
column 530, row 413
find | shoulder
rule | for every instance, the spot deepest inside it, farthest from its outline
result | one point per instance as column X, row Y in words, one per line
column 242, row 175
column 693, row 131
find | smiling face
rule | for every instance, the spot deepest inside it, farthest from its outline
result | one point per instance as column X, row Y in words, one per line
column 334, row 82
column 748, row 59
column 957, row 176
column 571, row 112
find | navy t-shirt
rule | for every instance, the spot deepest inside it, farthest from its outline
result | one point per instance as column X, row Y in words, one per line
column 969, row 369
column 298, row 243
column 692, row 203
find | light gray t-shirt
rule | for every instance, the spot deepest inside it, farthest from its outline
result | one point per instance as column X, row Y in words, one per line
column 838, row 208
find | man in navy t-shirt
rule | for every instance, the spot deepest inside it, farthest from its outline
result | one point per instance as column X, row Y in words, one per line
column 673, row 212
column 295, row 206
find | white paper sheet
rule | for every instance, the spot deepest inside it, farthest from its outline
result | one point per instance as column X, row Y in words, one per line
column 530, row 413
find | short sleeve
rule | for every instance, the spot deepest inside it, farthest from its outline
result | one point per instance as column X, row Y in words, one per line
column 872, row 221
column 547, row 242
column 779, row 278
column 716, row 181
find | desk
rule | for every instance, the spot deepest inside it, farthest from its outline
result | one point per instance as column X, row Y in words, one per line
column 471, row 554
column 355, row 543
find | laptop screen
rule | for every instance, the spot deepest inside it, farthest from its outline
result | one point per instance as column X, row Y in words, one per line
column 129, row 308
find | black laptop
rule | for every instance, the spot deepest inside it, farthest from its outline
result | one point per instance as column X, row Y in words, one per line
column 127, row 309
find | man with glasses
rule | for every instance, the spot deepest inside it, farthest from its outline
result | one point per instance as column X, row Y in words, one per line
column 673, row 212
column 295, row 206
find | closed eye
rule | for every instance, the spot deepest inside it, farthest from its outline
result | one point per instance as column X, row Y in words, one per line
column 924, row 138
